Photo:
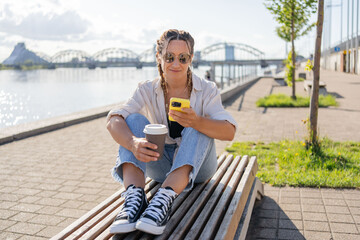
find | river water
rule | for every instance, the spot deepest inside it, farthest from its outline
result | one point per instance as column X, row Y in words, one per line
column 27, row 96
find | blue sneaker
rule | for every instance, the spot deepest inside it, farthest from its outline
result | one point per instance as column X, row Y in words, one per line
column 157, row 214
column 134, row 205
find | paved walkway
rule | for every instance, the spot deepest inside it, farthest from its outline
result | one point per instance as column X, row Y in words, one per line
column 48, row 181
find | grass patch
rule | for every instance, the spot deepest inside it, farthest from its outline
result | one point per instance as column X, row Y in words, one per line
column 282, row 100
column 337, row 164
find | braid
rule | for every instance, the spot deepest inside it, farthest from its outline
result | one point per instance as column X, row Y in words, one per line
column 162, row 81
column 189, row 81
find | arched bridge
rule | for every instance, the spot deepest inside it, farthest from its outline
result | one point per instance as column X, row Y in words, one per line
column 116, row 55
column 226, row 53
column 71, row 56
column 229, row 52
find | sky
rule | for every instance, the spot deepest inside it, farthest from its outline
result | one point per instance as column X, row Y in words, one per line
column 50, row 26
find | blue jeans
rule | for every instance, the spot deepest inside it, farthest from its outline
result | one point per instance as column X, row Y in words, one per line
column 196, row 150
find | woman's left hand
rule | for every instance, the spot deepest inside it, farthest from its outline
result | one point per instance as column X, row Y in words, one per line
column 187, row 118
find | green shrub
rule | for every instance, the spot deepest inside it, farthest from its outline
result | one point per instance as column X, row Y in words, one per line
column 282, row 100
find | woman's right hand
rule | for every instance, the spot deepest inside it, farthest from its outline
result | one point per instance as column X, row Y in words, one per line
column 141, row 149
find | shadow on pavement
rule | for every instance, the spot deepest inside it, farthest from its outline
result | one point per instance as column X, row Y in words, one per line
column 271, row 222
column 236, row 96
column 335, row 94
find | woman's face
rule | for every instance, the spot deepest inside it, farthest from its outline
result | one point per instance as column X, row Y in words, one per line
column 175, row 71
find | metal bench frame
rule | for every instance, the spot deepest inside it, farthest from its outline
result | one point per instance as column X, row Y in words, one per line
column 217, row 209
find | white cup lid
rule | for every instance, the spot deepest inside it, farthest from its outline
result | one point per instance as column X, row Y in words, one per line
column 155, row 129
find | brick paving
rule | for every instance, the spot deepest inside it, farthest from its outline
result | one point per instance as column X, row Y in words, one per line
column 48, row 181
column 302, row 213
column 306, row 213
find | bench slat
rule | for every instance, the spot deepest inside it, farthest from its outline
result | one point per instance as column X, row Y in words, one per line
column 196, row 222
column 216, row 216
column 211, row 204
column 133, row 235
column 233, row 214
column 200, row 201
column 199, row 190
column 257, row 191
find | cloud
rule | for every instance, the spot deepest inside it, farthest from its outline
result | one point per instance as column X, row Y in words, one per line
column 258, row 36
column 149, row 36
column 7, row 11
column 67, row 26
column 205, row 39
column 48, row 22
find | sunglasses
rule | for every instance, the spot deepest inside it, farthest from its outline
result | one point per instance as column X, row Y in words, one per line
column 184, row 58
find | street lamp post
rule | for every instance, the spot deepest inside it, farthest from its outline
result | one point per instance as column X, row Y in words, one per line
column 329, row 46
column 327, row 26
column 352, row 37
column 357, row 40
column 341, row 21
column 347, row 39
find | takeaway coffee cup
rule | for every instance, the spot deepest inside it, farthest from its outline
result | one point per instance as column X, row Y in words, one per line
column 155, row 133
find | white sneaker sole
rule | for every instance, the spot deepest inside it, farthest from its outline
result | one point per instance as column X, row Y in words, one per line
column 123, row 228
column 149, row 228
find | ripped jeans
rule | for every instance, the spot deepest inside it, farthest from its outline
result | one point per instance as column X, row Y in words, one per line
column 196, row 150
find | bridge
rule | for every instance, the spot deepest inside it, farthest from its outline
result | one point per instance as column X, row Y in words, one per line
column 230, row 54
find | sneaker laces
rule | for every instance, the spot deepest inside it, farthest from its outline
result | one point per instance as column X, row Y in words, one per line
column 160, row 204
column 132, row 202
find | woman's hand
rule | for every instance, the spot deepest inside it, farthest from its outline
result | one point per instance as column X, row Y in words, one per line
column 140, row 149
column 218, row 129
column 188, row 118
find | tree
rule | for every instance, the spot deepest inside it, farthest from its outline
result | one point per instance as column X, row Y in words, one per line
column 314, row 102
column 293, row 17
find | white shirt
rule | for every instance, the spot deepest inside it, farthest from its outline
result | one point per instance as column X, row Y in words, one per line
column 148, row 100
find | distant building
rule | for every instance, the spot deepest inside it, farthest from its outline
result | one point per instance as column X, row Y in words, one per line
column 20, row 55
column 341, row 37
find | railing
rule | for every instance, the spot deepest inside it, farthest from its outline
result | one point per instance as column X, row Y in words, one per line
column 235, row 74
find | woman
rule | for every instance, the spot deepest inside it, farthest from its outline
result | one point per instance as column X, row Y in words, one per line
column 189, row 155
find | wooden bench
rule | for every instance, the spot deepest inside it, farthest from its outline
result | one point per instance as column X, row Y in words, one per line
column 308, row 85
column 218, row 209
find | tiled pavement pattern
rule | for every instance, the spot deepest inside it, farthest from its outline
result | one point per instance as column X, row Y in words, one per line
column 306, row 213
column 48, row 181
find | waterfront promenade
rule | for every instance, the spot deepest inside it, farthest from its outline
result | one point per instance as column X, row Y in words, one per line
column 49, row 180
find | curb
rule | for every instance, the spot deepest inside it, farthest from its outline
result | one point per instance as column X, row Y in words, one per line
column 26, row 130
column 229, row 92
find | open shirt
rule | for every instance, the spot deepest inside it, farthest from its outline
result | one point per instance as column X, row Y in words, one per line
column 148, row 100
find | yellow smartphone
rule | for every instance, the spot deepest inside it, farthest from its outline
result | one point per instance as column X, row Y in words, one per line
column 178, row 103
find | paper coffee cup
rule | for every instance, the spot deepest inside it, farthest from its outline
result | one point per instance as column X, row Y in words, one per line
column 156, row 133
